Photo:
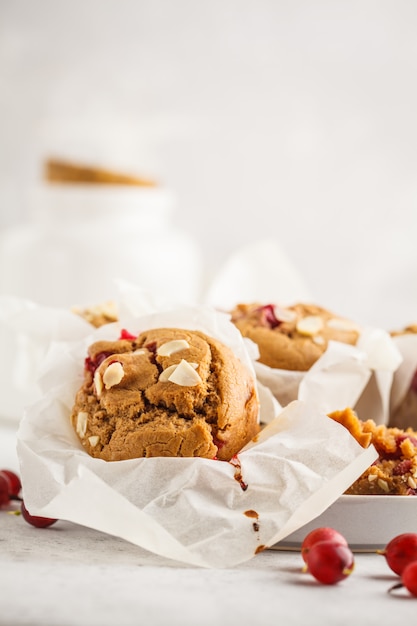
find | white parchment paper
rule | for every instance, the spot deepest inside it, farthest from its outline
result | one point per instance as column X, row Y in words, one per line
column 202, row 512
column 358, row 376
column 26, row 332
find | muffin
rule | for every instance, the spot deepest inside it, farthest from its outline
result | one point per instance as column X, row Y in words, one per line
column 167, row 392
column 294, row 337
column 395, row 470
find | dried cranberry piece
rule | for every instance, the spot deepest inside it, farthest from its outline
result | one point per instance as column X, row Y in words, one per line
column 125, row 334
column 151, row 346
column 402, row 467
column 268, row 315
column 219, row 444
column 398, row 441
column 400, row 438
column 92, row 364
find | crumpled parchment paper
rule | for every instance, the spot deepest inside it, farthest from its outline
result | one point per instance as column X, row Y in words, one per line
column 202, row 512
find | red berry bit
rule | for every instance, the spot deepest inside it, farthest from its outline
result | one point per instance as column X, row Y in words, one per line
column 268, row 316
column 330, row 562
column 34, row 520
column 402, row 467
column 4, row 490
column 323, row 533
column 125, row 334
column 10, row 487
column 400, row 551
column 91, row 365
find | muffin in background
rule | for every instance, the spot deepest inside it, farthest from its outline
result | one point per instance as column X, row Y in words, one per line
column 292, row 337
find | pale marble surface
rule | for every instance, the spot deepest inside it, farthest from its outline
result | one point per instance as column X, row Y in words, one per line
column 71, row 576
column 67, row 575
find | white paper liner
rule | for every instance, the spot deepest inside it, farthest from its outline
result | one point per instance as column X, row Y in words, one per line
column 189, row 510
column 26, row 332
column 358, row 376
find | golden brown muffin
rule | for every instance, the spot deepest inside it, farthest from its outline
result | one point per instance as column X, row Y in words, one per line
column 395, row 470
column 167, row 392
column 294, row 337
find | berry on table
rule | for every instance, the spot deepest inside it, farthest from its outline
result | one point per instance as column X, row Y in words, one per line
column 400, row 551
column 14, row 482
column 4, row 490
column 330, row 562
column 323, row 533
column 34, row 520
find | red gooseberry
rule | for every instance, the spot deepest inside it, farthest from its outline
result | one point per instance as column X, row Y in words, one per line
column 323, row 533
column 400, row 551
column 330, row 562
column 34, row 520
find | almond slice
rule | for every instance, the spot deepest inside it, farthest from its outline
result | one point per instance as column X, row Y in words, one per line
column 383, row 485
column 93, row 440
column 113, row 374
column 310, row 325
column 98, row 383
column 411, row 482
column 165, row 375
column 284, row 315
column 182, row 373
column 81, row 426
column 170, row 347
column 185, row 375
column 337, row 323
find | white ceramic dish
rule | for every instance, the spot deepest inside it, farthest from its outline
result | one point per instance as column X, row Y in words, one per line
column 367, row 522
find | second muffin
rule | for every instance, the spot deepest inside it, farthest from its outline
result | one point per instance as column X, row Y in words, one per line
column 294, row 337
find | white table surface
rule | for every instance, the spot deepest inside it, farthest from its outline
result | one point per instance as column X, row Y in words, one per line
column 68, row 575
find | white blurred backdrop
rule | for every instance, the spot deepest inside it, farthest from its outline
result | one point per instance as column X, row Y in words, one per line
column 292, row 119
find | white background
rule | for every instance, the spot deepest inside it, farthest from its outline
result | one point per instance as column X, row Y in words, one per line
column 291, row 119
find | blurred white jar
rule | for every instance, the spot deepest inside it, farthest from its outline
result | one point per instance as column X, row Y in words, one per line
column 80, row 239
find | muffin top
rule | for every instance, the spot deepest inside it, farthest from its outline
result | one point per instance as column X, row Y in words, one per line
column 293, row 337
column 167, row 392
